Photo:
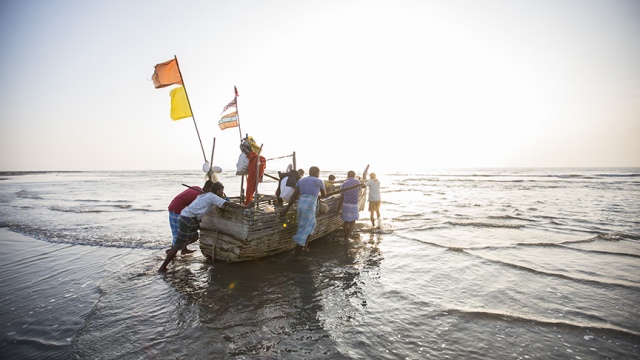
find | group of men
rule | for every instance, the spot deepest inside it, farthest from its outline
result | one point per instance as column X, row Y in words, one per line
column 187, row 209
column 308, row 189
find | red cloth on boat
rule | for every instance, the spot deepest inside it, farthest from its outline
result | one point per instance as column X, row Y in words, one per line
column 251, row 177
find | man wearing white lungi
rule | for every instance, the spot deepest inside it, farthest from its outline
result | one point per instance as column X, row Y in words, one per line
column 307, row 189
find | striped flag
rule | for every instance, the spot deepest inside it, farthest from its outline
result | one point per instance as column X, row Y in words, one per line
column 228, row 121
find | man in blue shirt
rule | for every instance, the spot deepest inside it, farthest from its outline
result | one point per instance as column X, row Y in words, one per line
column 307, row 189
column 350, row 211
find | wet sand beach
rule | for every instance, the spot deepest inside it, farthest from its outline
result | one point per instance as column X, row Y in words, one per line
column 48, row 289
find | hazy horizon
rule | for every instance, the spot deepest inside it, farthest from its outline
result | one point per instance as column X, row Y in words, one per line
column 337, row 171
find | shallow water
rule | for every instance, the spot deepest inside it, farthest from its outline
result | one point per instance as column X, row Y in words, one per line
column 501, row 264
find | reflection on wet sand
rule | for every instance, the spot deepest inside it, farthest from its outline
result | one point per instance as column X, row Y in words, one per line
column 279, row 306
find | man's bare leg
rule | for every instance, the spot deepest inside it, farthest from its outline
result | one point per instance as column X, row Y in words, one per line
column 186, row 251
column 296, row 253
column 305, row 248
column 348, row 229
column 171, row 253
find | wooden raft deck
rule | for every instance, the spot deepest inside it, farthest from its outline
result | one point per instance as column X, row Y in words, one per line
column 238, row 235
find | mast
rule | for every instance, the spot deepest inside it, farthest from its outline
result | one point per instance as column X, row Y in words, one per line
column 190, row 108
column 235, row 92
column 210, row 174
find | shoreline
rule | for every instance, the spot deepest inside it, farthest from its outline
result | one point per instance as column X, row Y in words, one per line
column 49, row 289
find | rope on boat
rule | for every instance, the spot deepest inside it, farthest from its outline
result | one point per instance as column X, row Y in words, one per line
column 281, row 157
column 275, row 235
column 213, row 248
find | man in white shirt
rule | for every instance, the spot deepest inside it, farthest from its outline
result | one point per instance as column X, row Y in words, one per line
column 189, row 220
column 374, row 197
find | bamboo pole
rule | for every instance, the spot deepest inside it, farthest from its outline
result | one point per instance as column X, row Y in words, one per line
column 258, row 171
column 211, row 164
column 235, row 97
column 235, row 91
column 364, row 175
column 343, row 190
column 271, row 176
column 193, row 188
column 294, row 162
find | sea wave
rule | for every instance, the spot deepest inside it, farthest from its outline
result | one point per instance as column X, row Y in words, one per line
column 148, row 210
column 422, row 241
column 78, row 210
column 621, row 283
column 619, row 244
column 485, row 224
column 95, row 209
column 510, row 217
column 612, row 236
column 615, row 236
column 26, row 194
column 601, row 329
column 567, row 245
column 408, row 217
column 75, row 237
column 619, row 175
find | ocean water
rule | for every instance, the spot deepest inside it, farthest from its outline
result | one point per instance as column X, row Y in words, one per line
column 465, row 264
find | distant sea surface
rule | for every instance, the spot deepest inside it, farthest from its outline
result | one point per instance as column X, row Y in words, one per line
column 465, row 264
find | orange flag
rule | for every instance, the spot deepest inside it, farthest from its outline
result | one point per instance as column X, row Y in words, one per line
column 166, row 74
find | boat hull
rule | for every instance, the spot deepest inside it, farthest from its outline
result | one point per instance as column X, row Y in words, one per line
column 232, row 235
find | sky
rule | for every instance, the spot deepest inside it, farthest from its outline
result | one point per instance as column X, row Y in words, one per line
column 401, row 85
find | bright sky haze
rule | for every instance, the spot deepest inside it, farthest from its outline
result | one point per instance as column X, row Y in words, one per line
column 401, row 85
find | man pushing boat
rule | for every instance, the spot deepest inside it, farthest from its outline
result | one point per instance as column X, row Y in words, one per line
column 307, row 189
column 190, row 216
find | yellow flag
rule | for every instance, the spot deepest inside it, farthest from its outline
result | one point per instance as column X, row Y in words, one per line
column 179, row 105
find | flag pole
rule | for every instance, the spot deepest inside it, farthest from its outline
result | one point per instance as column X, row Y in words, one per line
column 188, row 102
column 235, row 94
column 235, row 90
column 210, row 174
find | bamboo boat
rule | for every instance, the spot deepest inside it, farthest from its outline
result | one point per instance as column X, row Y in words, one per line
column 232, row 235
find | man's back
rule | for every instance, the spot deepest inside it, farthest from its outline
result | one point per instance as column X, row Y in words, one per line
column 183, row 200
column 350, row 196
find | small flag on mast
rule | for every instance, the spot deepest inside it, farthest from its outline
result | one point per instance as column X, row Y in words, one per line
column 166, row 73
column 180, row 108
column 228, row 121
column 231, row 104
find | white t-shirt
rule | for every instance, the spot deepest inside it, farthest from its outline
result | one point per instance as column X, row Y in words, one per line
column 202, row 204
column 286, row 191
column 374, row 189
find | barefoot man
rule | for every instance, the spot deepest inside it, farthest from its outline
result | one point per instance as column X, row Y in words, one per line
column 350, row 211
column 307, row 189
column 178, row 204
column 190, row 216
column 374, row 197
